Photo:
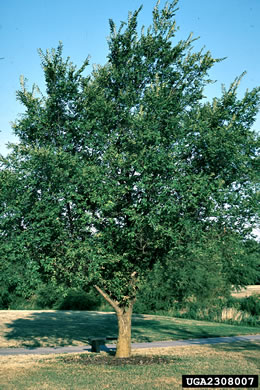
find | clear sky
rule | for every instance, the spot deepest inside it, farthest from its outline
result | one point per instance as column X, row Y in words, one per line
column 228, row 28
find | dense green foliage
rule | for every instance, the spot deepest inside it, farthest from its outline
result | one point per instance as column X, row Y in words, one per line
column 251, row 305
column 129, row 171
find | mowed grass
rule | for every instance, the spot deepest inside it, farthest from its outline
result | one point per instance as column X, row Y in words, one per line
column 20, row 328
column 70, row 372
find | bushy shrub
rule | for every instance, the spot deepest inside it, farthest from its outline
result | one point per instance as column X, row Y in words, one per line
column 251, row 305
column 233, row 302
column 46, row 297
column 10, row 298
column 20, row 303
column 5, row 299
column 78, row 300
column 197, row 309
column 219, row 309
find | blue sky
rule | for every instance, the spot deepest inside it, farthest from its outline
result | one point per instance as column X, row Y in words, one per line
column 228, row 28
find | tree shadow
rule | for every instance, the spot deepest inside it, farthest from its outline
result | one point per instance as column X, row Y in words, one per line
column 60, row 328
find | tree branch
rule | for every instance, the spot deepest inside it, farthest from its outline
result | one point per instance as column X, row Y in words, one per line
column 108, row 299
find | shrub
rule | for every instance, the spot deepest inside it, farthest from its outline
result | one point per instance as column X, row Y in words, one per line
column 78, row 300
column 46, row 297
column 233, row 302
column 251, row 305
column 5, row 299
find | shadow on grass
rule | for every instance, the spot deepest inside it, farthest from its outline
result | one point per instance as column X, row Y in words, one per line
column 60, row 328
column 63, row 328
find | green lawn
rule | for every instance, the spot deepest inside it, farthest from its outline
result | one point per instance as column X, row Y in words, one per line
column 23, row 328
column 73, row 372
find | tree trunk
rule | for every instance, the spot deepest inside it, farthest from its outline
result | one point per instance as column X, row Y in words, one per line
column 124, row 318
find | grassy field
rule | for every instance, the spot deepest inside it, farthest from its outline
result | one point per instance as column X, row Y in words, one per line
column 92, row 372
column 147, row 369
column 59, row 328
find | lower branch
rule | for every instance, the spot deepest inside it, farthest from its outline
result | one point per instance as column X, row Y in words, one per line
column 113, row 303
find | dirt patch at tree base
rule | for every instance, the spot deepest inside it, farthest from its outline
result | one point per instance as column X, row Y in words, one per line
column 109, row 360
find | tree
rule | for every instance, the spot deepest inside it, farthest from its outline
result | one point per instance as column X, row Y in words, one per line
column 128, row 167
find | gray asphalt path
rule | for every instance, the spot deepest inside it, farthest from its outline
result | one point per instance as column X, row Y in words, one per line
column 111, row 347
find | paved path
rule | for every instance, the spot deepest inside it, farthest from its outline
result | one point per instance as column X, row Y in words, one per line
column 111, row 347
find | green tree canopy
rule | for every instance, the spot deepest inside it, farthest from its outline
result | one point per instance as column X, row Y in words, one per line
column 130, row 167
